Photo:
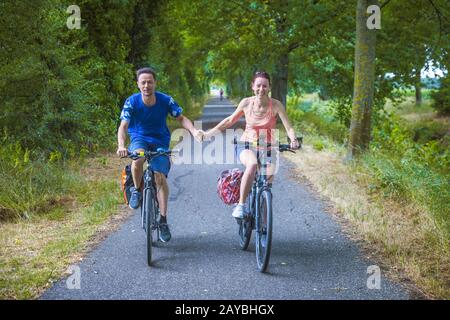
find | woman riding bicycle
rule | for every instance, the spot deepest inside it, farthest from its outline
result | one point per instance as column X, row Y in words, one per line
column 260, row 113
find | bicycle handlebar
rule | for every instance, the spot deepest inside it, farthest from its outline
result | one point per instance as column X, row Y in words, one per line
column 281, row 147
column 149, row 154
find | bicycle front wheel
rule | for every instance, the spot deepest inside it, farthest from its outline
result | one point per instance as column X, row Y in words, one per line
column 149, row 214
column 246, row 225
column 264, row 230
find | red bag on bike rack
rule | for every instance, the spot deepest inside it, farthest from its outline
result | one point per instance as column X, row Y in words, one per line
column 228, row 186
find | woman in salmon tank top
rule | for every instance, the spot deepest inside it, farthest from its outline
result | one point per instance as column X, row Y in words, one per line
column 260, row 112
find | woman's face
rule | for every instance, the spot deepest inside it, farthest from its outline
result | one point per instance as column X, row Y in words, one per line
column 261, row 87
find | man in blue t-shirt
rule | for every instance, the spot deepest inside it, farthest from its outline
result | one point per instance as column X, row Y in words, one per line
column 144, row 117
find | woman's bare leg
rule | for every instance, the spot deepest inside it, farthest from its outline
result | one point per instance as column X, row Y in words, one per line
column 248, row 159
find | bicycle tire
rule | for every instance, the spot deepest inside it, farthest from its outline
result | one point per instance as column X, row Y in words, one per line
column 143, row 226
column 246, row 226
column 264, row 230
column 149, row 216
column 156, row 222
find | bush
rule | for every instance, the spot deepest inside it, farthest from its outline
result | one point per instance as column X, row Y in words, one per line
column 318, row 145
column 416, row 170
column 442, row 98
column 30, row 187
column 426, row 131
column 423, row 142
column 316, row 118
column 411, row 179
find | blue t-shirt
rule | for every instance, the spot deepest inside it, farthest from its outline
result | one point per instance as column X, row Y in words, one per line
column 149, row 123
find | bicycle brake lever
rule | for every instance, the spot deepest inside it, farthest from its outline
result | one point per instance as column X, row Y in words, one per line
column 133, row 156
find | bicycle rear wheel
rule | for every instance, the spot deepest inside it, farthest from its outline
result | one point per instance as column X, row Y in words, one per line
column 264, row 230
column 149, row 216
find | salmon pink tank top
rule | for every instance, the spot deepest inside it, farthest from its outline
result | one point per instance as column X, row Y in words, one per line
column 257, row 126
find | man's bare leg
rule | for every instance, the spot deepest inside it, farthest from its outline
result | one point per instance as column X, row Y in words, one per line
column 162, row 192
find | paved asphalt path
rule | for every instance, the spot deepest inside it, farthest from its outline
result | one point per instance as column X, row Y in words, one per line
column 311, row 258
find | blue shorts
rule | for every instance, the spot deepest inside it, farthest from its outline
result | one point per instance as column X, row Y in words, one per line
column 238, row 149
column 159, row 164
column 274, row 154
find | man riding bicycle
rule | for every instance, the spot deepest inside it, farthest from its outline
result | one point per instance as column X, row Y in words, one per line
column 144, row 118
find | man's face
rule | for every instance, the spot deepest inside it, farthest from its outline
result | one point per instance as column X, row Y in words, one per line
column 146, row 84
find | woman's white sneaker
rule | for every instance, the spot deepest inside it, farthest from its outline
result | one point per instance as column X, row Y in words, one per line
column 238, row 211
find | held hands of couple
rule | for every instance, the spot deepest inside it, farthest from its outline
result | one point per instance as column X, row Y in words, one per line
column 201, row 135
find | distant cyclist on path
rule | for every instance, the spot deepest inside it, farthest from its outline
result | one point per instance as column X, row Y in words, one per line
column 144, row 118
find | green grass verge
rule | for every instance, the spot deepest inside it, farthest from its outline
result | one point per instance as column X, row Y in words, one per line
column 37, row 250
column 409, row 168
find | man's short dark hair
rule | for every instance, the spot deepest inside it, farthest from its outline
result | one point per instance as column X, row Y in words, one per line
column 145, row 70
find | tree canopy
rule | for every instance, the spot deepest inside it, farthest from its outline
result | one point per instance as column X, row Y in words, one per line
column 62, row 89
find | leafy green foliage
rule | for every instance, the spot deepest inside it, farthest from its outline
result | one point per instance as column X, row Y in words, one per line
column 442, row 97
column 62, row 90
column 33, row 187
column 411, row 179
column 412, row 161
column 316, row 117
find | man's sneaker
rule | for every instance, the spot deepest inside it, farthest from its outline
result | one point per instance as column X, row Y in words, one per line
column 164, row 232
column 135, row 199
column 238, row 211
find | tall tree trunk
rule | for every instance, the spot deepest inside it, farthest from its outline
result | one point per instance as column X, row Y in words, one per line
column 280, row 76
column 280, row 79
column 243, row 85
column 418, row 87
column 140, row 33
column 229, row 91
column 360, row 127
